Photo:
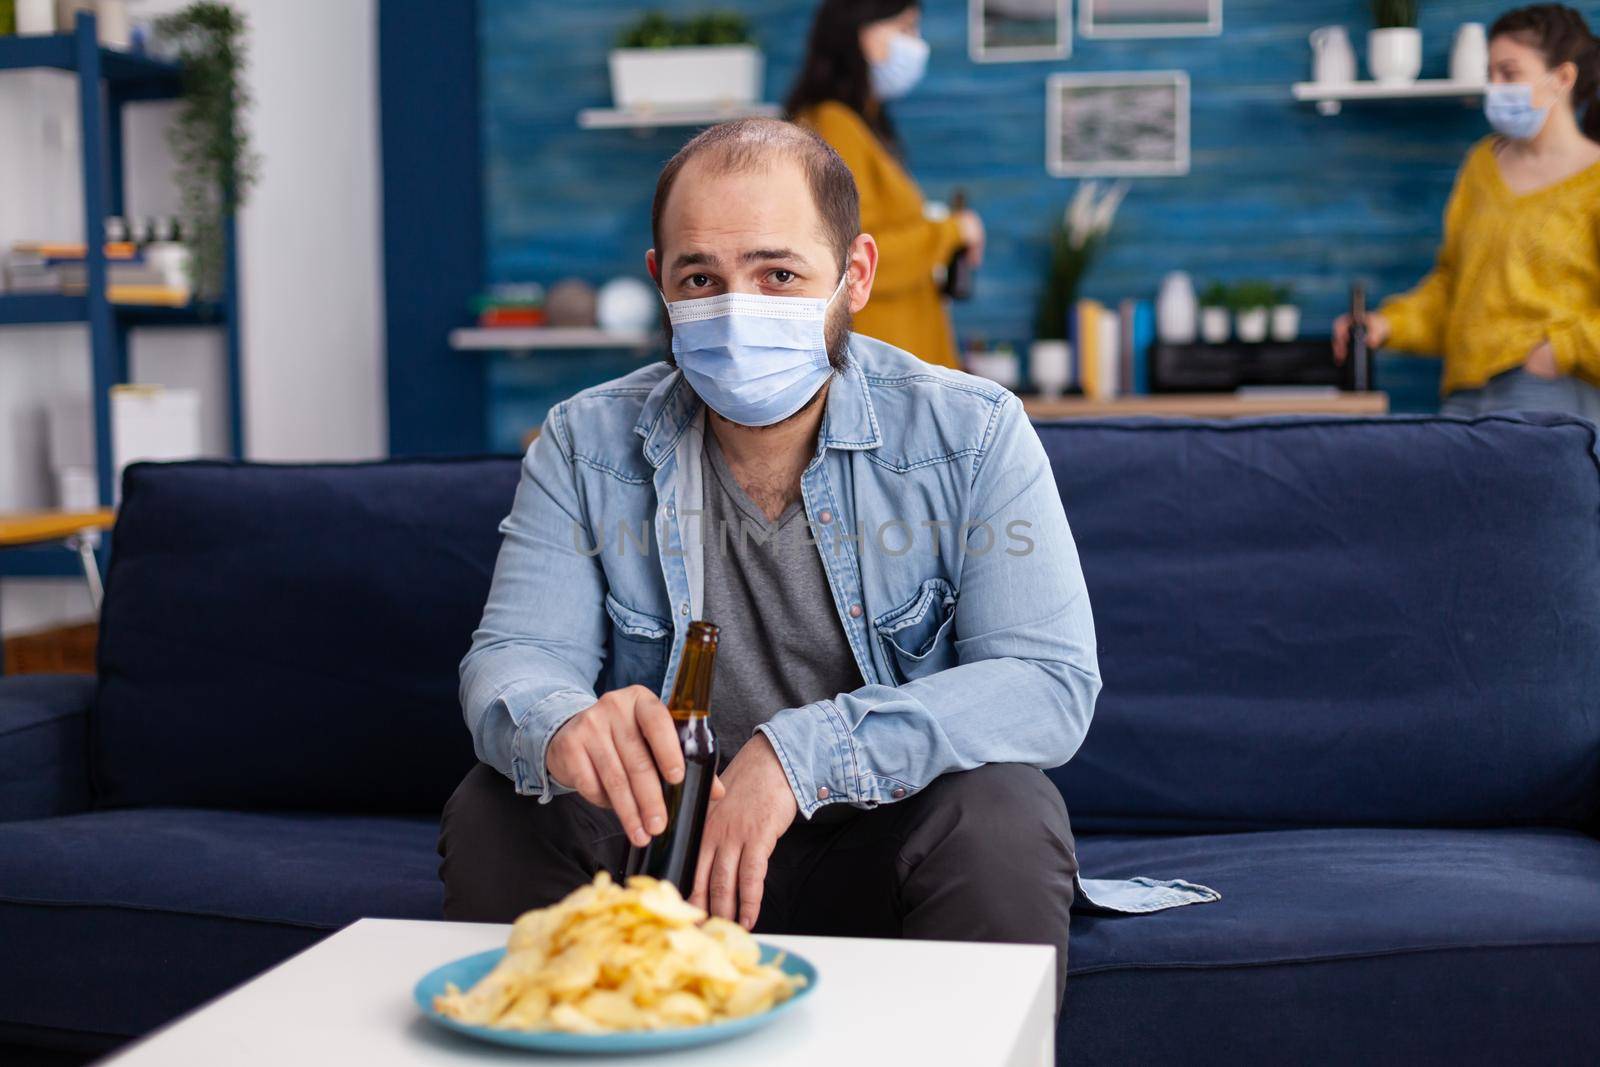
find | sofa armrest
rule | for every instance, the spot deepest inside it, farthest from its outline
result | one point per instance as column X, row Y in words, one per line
column 44, row 745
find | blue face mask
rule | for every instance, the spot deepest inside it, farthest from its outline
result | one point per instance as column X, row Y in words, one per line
column 1509, row 109
column 754, row 359
column 902, row 69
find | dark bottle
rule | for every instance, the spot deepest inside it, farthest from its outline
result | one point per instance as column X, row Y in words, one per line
column 1359, row 363
column 959, row 275
column 671, row 855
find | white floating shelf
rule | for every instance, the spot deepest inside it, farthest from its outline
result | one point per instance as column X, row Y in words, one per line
column 514, row 339
column 608, row 118
column 1328, row 98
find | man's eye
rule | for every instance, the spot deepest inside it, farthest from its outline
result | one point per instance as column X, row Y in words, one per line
column 699, row 281
column 783, row 277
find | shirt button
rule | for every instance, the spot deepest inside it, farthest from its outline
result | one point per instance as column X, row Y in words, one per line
column 684, row 610
column 899, row 793
column 825, row 516
column 672, row 511
column 822, row 792
column 855, row 611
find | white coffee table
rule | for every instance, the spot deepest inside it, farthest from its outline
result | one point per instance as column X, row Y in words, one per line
column 347, row 1000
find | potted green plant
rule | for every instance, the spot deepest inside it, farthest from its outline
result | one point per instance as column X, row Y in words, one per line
column 1285, row 315
column 1216, row 316
column 1252, row 303
column 707, row 60
column 1394, row 47
column 1075, row 240
column 215, row 166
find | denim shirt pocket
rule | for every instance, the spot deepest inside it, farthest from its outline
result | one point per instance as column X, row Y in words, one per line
column 918, row 637
column 640, row 644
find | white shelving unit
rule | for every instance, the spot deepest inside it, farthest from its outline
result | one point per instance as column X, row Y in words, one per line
column 569, row 338
column 1330, row 98
column 610, row 118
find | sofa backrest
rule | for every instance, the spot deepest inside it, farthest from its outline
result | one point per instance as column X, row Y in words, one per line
column 1380, row 621
column 288, row 636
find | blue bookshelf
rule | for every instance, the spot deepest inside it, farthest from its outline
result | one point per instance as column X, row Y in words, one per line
column 109, row 80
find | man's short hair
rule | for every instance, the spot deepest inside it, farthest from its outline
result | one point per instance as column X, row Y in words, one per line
column 747, row 143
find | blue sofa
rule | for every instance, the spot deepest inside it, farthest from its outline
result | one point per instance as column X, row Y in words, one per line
column 1352, row 681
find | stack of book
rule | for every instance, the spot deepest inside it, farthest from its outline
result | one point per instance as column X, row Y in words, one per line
column 1111, row 347
column 512, row 305
column 60, row 268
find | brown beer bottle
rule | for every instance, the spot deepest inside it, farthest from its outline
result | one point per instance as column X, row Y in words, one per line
column 671, row 855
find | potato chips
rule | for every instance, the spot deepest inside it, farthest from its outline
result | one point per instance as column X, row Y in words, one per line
column 610, row 958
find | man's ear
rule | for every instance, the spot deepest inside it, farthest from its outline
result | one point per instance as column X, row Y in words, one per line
column 862, row 268
column 652, row 266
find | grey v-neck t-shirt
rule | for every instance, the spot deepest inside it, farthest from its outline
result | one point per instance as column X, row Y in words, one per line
column 781, row 643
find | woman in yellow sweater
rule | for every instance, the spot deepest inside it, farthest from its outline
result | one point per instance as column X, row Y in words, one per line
column 862, row 54
column 1513, row 302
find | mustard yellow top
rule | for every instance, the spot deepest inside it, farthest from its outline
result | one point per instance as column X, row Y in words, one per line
column 1513, row 271
column 906, row 309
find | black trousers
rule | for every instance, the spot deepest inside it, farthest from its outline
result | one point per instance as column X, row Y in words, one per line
column 981, row 855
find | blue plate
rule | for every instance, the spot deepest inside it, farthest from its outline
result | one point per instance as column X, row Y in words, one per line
column 465, row 973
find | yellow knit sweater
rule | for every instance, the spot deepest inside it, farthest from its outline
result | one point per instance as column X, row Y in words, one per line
column 1513, row 271
column 906, row 308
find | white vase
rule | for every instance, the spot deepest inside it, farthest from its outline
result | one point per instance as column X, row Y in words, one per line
column 998, row 365
column 36, row 18
column 1394, row 56
column 1214, row 325
column 668, row 78
column 1050, row 367
column 1469, row 56
column 111, row 23
column 1251, row 325
column 1285, row 322
column 1176, row 309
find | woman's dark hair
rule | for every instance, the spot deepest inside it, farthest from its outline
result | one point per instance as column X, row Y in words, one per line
column 834, row 68
column 1561, row 35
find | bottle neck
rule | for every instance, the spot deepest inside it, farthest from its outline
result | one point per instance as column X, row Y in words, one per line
column 691, row 694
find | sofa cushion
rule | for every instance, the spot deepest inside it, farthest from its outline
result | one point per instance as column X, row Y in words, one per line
column 1389, row 945
column 1381, row 621
column 124, row 919
column 44, row 746
column 288, row 636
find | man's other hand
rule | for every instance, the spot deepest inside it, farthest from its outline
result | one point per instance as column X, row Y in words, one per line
column 741, row 832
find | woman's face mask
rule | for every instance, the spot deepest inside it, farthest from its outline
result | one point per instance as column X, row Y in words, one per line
column 1510, row 109
column 902, row 68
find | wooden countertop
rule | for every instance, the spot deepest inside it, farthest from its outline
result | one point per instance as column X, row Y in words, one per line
column 1208, row 405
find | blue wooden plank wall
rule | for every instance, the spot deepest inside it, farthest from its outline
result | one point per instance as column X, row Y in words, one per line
column 1275, row 191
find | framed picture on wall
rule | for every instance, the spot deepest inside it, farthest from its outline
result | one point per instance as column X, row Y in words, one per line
column 1150, row 18
column 1132, row 124
column 1015, row 31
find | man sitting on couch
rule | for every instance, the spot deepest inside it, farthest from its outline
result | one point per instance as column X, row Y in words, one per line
column 906, row 636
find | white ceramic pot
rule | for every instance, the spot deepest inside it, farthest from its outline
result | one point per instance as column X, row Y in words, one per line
column 1176, row 309
column 1214, row 325
column 1469, row 56
column 1333, row 61
column 1285, row 322
column 1050, row 367
column 112, row 23
column 35, row 18
column 681, row 78
column 1251, row 325
column 1394, row 56
column 999, row 366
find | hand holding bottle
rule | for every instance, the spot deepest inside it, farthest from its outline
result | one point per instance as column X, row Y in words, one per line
column 973, row 235
column 616, row 752
column 1378, row 331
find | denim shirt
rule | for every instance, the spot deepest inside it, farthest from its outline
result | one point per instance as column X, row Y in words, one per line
column 953, row 572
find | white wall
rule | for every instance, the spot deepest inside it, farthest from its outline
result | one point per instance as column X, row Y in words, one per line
column 310, row 262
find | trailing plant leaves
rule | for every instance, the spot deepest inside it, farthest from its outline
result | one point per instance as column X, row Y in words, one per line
column 216, row 167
